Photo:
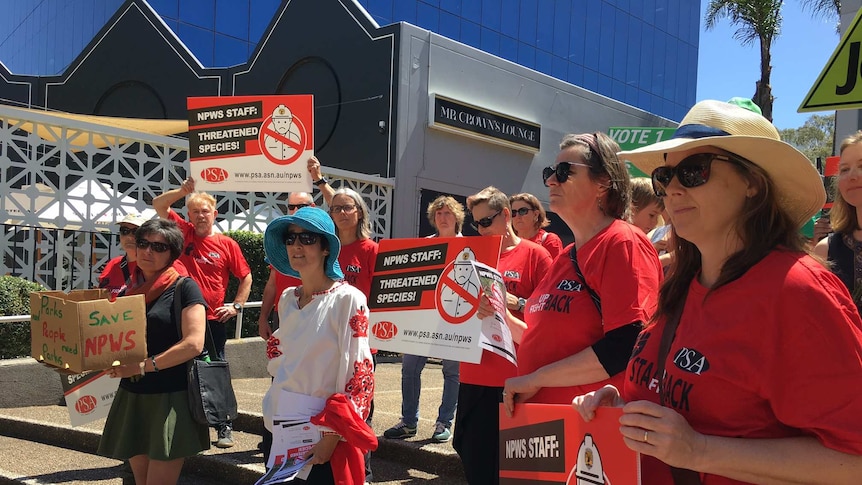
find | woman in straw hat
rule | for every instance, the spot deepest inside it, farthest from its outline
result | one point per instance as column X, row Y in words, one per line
column 582, row 319
column 319, row 356
column 750, row 370
column 843, row 248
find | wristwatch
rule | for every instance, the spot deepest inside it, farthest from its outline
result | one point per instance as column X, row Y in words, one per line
column 320, row 182
column 237, row 307
column 521, row 304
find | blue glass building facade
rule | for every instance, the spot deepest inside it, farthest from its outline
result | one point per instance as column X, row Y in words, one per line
column 640, row 52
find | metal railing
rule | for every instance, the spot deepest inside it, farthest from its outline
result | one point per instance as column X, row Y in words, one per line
column 237, row 334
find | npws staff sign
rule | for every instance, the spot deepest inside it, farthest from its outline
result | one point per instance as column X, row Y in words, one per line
column 251, row 143
column 425, row 294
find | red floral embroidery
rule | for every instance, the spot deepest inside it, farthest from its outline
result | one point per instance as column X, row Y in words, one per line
column 272, row 350
column 360, row 387
column 359, row 323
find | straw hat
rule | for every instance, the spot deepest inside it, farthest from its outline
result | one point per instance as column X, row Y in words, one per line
column 311, row 219
column 743, row 132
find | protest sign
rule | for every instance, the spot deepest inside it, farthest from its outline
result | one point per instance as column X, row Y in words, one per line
column 83, row 330
column 88, row 396
column 551, row 444
column 425, row 294
column 251, row 143
column 496, row 336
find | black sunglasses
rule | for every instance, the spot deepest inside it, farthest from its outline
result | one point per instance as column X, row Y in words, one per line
column 155, row 246
column 125, row 231
column 305, row 238
column 561, row 170
column 522, row 211
column 294, row 207
column 691, row 171
column 485, row 221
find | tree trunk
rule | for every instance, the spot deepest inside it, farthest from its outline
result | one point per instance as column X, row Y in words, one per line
column 763, row 91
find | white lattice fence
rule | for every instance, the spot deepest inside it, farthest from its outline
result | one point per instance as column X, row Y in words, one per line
column 84, row 177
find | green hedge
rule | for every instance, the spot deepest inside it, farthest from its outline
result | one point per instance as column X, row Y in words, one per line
column 252, row 248
column 15, row 300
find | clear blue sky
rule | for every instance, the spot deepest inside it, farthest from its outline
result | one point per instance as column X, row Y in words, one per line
column 727, row 69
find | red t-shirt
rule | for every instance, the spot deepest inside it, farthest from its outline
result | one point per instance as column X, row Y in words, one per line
column 357, row 263
column 776, row 353
column 210, row 261
column 522, row 268
column 112, row 276
column 551, row 242
column 283, row 282
column 619, row 264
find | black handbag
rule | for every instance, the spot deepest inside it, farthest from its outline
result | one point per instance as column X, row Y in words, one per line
column 211, row 397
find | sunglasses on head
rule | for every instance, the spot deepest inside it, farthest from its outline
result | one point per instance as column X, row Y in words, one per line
column 305, row 238
column 125, row 231
column 561, row 170
column 485, row 221
column 691, row 171
column 522, row 211
column 155, row 246
column 294, row 207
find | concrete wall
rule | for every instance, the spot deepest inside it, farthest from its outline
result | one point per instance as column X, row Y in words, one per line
column 432, row 159
column 26, row 382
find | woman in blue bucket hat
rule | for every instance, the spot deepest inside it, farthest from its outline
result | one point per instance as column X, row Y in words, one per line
column 319, row 357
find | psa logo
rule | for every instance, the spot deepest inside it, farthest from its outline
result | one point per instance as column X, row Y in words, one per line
column 384, row 330
column 214, row 175
column 86, row 404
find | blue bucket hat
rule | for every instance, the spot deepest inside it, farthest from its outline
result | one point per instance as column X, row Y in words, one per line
column 311, row 219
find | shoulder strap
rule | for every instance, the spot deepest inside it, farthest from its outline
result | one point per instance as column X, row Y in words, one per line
column 573, row 255
column 209, row 343
column 681, row 476
column 124, row 267
column 544, row 236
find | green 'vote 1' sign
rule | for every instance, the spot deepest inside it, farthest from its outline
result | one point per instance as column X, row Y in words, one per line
column 633, row 137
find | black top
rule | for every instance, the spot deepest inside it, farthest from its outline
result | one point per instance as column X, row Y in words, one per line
column 161, row 335
column 841, row 258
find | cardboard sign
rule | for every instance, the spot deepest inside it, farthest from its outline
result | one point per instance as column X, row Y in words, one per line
column 425, row 294
column 251, row 143
column 551, row 444
column 83, row 330
column 88, row 396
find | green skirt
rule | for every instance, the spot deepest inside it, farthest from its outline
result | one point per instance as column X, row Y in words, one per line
column 157, row 425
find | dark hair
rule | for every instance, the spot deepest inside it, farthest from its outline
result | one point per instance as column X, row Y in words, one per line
column 762, row 226
column 533, row 202
column 168, row 230
column 599, row 151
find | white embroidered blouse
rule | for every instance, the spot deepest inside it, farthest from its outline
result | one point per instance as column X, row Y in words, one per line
column 321, row 349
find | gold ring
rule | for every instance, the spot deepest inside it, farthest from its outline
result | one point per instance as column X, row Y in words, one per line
column 646, row 436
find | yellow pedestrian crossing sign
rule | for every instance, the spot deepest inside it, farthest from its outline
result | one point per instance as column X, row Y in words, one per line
column 840, row 84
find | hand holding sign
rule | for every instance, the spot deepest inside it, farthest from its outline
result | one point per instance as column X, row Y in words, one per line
column 586, row 404
column 519, row 389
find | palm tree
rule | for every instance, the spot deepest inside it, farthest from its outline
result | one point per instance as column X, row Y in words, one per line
column 757, row 20
column 824, row 9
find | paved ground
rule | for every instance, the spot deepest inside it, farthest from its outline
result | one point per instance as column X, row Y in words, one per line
column 38, row 446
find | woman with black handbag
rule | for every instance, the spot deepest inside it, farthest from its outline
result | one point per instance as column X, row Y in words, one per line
column 750, row 370
column 319, row 356
column 149, row 423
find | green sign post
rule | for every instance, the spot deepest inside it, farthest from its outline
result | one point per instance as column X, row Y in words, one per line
column 629, row 138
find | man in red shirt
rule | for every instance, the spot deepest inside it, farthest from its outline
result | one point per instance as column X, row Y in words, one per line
column 210, row 259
